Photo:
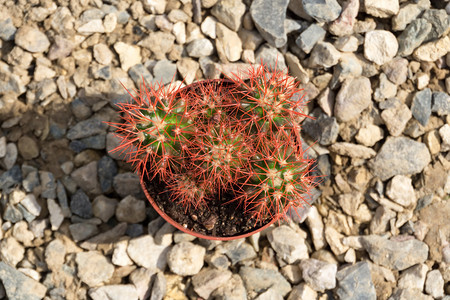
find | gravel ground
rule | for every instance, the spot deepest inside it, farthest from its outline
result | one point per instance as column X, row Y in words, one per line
column 75, row 224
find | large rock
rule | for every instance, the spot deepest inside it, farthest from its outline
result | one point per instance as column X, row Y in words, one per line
column 19, row 286
column 382, row 9
column 400, row 156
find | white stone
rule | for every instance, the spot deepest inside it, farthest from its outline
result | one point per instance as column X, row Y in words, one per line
column 422, row 80
column 444, row 132
column 129, row 55
column 382, row 8
column 102, row 54
column 11, row 251
column 433, row 51
column 369, row 134
column 93, row 268
column 114, row 292
column 93, row 26
column 56, row 214
column 120, row 256
column 186, row 258
column 30, row 203
column 434, row 284
column 401, row 191
column 179, row 31
column 110, row 22
column 145, row 253
column 380, row 46
column 228, row 42
column 288, row 244
column 208, row 27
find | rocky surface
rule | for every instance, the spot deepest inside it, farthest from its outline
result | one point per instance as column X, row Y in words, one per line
column 75, row 224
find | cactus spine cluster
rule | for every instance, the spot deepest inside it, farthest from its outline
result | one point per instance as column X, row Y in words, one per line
column 216, row 136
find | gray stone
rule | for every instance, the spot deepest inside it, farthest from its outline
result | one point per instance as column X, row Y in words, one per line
column 106, row 169
column 80, row 109
column 400, row 156
column 31, row 39
column 138, row 73
column 130, row 210
column 107, row 237
column 159, row 287
column 318, row 274
column 271, row 57
column 393, row 254
column 128, row 184
column 396, row 118
column 164, row 235
column 30, row 203
column 421, row 106
column 87, row 128
column 308, row 38
column 93, row 268
column 381, row 9
column 241, row 252
column 93, row 142
column 7, row 30
column 440, row 22
column 232, row 289
column 82, row 231
column 11, row 155
column 324, row 55
column 258, row 280
column 62, row 199
column 413, row 36
column 406, row 15
column 200, row 47
column 11, row 251
column 288, row 244
column 229, row 13
column 406, row 294
column 414, row 277
column 12, row 213
column 353, row 97
column 186, row 258
column 355, row 282
column 396, row 70
column 101, row 72
column 114, row 292
column 269, row 17
column 14, row 282
column 10, row 178
column 322, row 10
column 164, row 71
column 386, row 89
column 61, row 48
column 142, row 280
column 270, row 294
column 441, row 103
column 434, row 284
column 86, row 178
column 80, row 204
column 104, row 207
column 56, row 214
column 208, row 280
column 322, row 128
column 134, row 230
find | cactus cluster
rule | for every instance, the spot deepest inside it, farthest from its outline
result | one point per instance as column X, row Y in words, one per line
column 239, row 135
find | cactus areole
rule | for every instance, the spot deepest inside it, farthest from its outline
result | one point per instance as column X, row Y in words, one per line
column 220, row 159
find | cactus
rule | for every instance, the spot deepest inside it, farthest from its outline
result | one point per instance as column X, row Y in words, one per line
column 228, row 135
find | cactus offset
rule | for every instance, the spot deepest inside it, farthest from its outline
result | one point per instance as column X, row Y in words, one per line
column 217, row 136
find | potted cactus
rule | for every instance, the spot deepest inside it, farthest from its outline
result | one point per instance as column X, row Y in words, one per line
column 220, row 159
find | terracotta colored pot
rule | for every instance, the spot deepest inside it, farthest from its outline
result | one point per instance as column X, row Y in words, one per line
column 202, row 236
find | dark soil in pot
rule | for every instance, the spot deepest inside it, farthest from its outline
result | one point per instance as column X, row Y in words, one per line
column 217, row 219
